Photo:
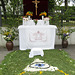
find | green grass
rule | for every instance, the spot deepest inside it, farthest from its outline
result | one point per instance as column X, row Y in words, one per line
column 16, row 61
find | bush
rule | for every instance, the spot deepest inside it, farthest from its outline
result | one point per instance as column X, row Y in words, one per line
column 72, row 18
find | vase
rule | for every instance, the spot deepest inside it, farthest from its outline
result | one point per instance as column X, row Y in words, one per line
column 64, row 43
column 9, row 45
column 42, row 17
column 29, row 17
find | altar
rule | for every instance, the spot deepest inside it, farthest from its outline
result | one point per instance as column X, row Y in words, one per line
column 37, row 36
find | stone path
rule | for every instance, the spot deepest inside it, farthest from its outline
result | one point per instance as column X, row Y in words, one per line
column 70, row 50
column 4, row 52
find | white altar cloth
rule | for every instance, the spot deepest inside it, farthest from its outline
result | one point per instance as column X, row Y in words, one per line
column 37, row 37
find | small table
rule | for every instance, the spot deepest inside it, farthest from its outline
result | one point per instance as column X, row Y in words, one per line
column 36, row 51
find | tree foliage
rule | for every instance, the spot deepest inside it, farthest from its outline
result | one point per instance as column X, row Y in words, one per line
column 15, row 6
column 4, row 9
column 51, row 5
column 12, row 6
column 65, row 1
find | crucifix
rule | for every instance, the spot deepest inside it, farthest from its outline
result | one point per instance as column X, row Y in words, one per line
column 36, row 2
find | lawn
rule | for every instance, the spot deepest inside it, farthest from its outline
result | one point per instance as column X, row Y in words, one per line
column 16, row 61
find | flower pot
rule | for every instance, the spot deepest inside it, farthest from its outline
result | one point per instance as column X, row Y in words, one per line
column 64, row 43
column 9, row 45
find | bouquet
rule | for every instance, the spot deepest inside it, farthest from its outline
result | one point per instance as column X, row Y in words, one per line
column 35, row 20
column 64, row 32
column 9, row 34
column 46, row 19
column 43, row 14
column 29, row 13
column 25, row 19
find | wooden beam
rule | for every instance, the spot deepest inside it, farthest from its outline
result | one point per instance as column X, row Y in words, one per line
column 0, row 18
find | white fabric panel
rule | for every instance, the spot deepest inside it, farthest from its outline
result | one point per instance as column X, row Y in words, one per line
column 37, row 37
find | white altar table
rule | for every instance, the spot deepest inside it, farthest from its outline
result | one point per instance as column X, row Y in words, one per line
column 36, row 36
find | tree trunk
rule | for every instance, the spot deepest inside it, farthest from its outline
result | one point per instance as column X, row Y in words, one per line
column 66, row 4
column 4, row 9
column 0, row 18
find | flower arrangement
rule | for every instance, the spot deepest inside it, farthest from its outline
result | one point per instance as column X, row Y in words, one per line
column 29, row 13
column 46, row 19
column 9, row 34
column 43, row 14
column 25, row 19
column 64, row 32
column 35, row 20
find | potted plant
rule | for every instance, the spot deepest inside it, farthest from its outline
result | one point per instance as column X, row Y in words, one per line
column 29, row 13
column 9, row 34
column 43, row 14
column 64, row 33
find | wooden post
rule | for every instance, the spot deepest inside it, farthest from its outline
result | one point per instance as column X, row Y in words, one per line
column 61, row 17
column 0, row 18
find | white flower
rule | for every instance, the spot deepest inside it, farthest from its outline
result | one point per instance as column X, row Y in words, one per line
column 4, row 64
column 51, row 68
column 55, row 68
column 74, row 64
column 0, row 68
column 73, row 71
column 3, row 36
column 67, row 33
column 46, row 19
column 70, row 60
column 66, row 55
column 25, row 19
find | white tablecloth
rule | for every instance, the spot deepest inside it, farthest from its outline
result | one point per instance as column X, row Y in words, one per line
column 37, row 37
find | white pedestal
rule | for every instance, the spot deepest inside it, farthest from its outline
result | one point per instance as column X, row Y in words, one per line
column 36, row 51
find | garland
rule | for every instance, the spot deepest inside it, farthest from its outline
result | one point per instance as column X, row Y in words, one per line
column 62, row 72
column 22, row 73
